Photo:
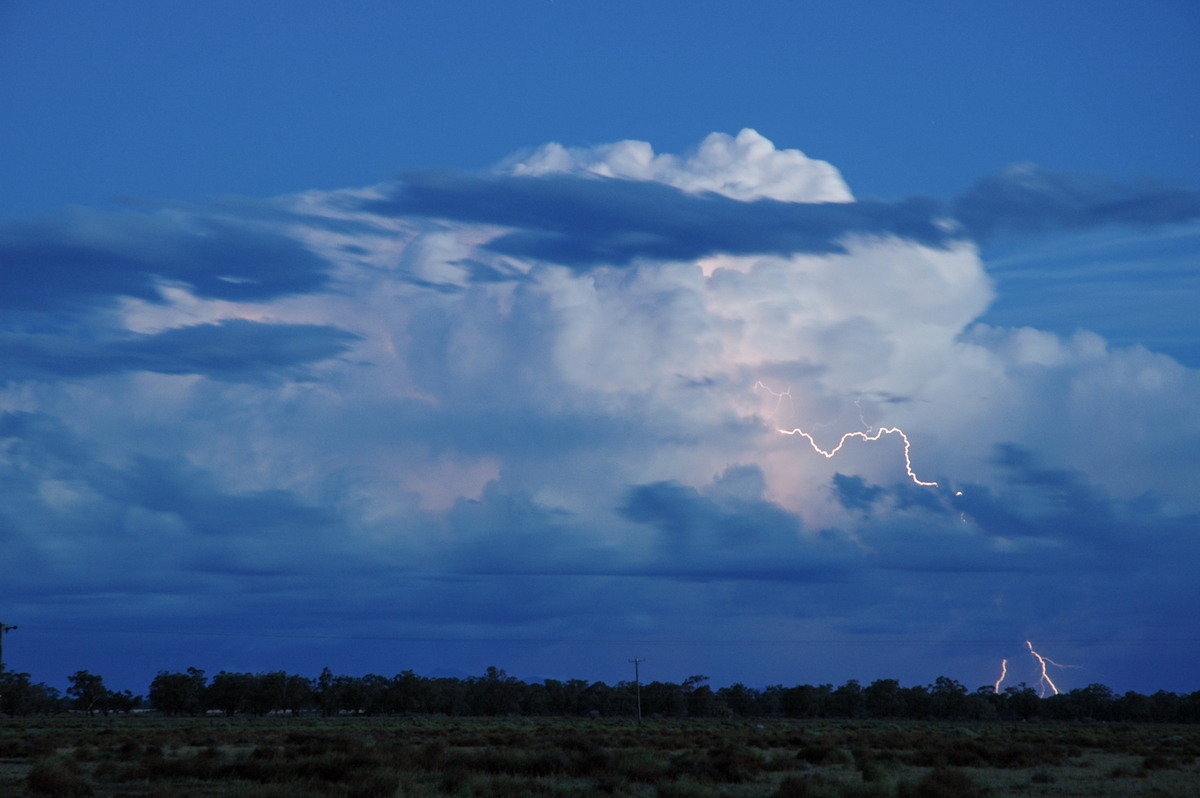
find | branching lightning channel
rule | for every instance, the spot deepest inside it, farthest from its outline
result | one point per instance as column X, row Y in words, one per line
column 1043, row 665
column 866, row 436
column 1045, row 680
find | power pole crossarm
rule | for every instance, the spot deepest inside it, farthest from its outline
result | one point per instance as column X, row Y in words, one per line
column 4, row 629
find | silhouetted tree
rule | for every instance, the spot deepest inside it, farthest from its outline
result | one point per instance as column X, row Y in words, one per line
column 664, row 699
column 324, row 694
column 848, row 701
column 806, row 701
column 265, row 692
column 448, row 696
column 1021, row 702
column 566, row 698
column 985, row 703
column 917, row 703
column 124, row 701
column 771, row 701
column 20, row 696
column 739, row 699
column 229, row 692
column 883, row 698
column 1094, row 702
column 179, row 693
column 349, row 693
column 1168, row 707
column 534, row 702
column 375, row 694
column 700, row 699
column 409, row 692
column 497, row 693
column 88, row 692
column 947, row 699
column 1188, row 707
column 278, row 691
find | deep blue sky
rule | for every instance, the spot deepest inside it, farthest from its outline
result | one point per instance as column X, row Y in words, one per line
column 186, row 100
column 519, row 403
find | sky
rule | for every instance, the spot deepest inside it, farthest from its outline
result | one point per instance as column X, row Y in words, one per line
column 436, row 336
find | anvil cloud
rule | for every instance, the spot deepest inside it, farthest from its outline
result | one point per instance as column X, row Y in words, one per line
column 519, row 418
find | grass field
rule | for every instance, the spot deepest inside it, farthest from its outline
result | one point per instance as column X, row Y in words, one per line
column 433, row 756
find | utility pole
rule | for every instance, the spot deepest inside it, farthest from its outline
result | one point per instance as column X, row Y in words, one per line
column 637, row 683
column 4, row 629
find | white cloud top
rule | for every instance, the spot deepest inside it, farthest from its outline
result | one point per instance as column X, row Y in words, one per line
column 743, row 167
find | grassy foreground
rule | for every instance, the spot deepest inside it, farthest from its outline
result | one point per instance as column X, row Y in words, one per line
column 424, row 756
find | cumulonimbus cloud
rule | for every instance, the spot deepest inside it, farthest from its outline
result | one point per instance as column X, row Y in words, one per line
column 578, row 365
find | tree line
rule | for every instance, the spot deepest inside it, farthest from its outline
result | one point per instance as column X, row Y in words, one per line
column 495, row 693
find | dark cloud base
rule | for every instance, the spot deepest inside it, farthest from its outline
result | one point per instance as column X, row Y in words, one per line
column 235, row 350
column 80, row 261
column 586, row 222
column 1026, row 199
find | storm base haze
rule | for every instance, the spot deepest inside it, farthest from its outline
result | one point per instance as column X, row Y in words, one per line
column 531, row 417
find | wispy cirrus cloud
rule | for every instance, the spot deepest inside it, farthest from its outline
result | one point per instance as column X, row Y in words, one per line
column 1026, row 198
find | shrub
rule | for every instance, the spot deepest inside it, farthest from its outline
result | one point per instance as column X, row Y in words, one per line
column 793, row 786
column 817, row 753
column 684, row 788
column 374, row 783
column 873, row 773
column 814, row 786
column 504, row 785
column 1158, row 762
column 453, row 777
column 735, row 763
column 968, row 753
column 638, row 765
column 942, row 783
column 57, row 777
column 1027, row 755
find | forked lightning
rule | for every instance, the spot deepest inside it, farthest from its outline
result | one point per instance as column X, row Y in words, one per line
column 866, row 436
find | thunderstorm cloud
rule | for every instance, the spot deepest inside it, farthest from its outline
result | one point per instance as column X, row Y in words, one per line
column 541, row 404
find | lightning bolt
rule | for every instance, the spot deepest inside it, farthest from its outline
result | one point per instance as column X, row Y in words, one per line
column 1045, row 680
column 866, row 436
column 779, row 397
column 861, row 417
column 1003, row 675
column 879, row 434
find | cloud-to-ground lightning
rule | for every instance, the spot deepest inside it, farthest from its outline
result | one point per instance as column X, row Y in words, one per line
column 1045, row 680
column 866, row 436
column 1003, row 675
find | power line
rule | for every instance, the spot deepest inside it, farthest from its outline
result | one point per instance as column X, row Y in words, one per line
column 620, row 641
